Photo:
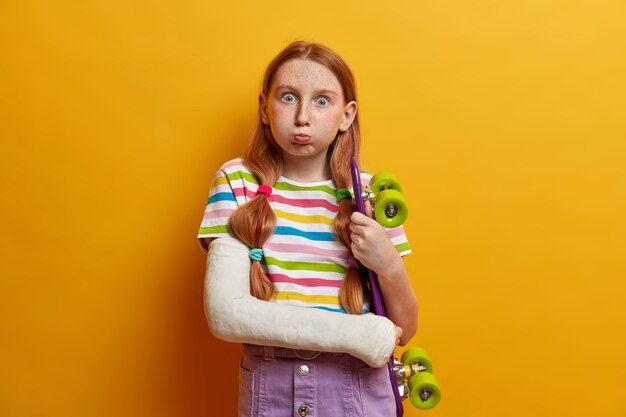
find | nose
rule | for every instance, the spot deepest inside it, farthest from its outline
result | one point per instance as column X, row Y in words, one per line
column 302, row 115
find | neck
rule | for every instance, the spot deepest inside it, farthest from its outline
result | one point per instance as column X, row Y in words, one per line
column 309, row 169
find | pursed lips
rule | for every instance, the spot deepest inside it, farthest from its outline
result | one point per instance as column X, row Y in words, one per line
column 301, row 138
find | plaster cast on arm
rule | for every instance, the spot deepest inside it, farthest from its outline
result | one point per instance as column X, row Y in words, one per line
column 236, row 316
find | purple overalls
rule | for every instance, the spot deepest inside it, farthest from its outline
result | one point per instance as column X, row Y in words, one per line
column 279, row 382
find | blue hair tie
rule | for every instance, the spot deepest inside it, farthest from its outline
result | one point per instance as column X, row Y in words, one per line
column 256, row 254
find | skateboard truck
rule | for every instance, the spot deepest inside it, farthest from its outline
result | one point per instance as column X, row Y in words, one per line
column 385, row 194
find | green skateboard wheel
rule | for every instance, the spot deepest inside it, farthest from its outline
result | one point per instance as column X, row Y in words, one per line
column 383, row 181
column 417, row 355
column 425, row 393
column 390, row 209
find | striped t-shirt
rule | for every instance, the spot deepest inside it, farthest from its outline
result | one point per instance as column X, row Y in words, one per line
column 302, row 258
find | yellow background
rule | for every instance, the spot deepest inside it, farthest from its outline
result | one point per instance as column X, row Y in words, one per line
column 504, row 120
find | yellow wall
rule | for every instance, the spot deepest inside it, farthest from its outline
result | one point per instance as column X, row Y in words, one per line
column 503, row 119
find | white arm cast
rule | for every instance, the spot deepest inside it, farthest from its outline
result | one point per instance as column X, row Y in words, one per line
column 236, row 316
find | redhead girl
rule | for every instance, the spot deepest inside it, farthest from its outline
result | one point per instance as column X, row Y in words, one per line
column 284, row 250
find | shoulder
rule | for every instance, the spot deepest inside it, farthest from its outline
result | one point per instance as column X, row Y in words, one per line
column 236, row 175
column 234, row 166
column 236, row 170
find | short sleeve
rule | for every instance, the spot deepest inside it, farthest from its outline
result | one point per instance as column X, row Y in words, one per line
column 221, row 204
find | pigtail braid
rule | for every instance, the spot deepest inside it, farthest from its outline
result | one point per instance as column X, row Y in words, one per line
column 351, row 292
column 254, row 222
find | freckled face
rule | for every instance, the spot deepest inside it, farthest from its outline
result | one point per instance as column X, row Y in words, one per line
column 305, row 109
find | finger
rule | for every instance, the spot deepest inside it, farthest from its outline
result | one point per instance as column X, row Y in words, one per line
column 359, row 218
column 369, row 209
column 360, row 235
column 358, row 229
column 354, row 247
column 399, row 332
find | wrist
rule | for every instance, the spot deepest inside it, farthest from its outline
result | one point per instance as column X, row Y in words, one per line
column 392, row 268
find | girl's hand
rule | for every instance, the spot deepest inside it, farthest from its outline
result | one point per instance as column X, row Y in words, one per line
column 370, row 244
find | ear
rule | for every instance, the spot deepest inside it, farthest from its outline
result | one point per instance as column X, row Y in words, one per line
column 263, row 109
column 349, row 114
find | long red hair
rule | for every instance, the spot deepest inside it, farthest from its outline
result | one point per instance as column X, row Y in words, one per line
column 254, row 221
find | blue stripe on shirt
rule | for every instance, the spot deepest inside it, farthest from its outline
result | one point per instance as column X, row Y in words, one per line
column 334, row 310
column 292, row 231
column 221, row 197
column 338, row 310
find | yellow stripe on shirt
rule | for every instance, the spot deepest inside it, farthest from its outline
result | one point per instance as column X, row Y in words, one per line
column 314, row 299
column 221, row 180
column 299, row 218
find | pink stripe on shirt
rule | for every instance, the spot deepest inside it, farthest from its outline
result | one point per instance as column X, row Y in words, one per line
column 306, row 282
column 218, row 213
column 233, row 163
column 395, row 232
column 309, row 202
column 313, row 250
column 294, row 202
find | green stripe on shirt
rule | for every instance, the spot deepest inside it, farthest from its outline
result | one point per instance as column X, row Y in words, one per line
column 233, row 176
column 209, row 230
column 305, row 266
column 403, row 247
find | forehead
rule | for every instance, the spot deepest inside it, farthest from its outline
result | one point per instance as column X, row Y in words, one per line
column 304, row 73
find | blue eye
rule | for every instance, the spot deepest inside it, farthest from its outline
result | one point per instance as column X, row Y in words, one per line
column 322, row 101
column 290, row 98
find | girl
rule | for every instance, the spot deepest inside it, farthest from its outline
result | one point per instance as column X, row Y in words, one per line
column 285, row 245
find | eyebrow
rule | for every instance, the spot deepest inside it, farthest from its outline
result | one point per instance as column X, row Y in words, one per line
column 323, row 91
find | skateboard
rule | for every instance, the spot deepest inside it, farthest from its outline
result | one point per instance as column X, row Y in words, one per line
column 411, row 376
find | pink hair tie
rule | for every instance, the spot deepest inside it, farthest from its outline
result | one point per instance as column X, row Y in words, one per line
column 353, row 263
column 264, row 189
